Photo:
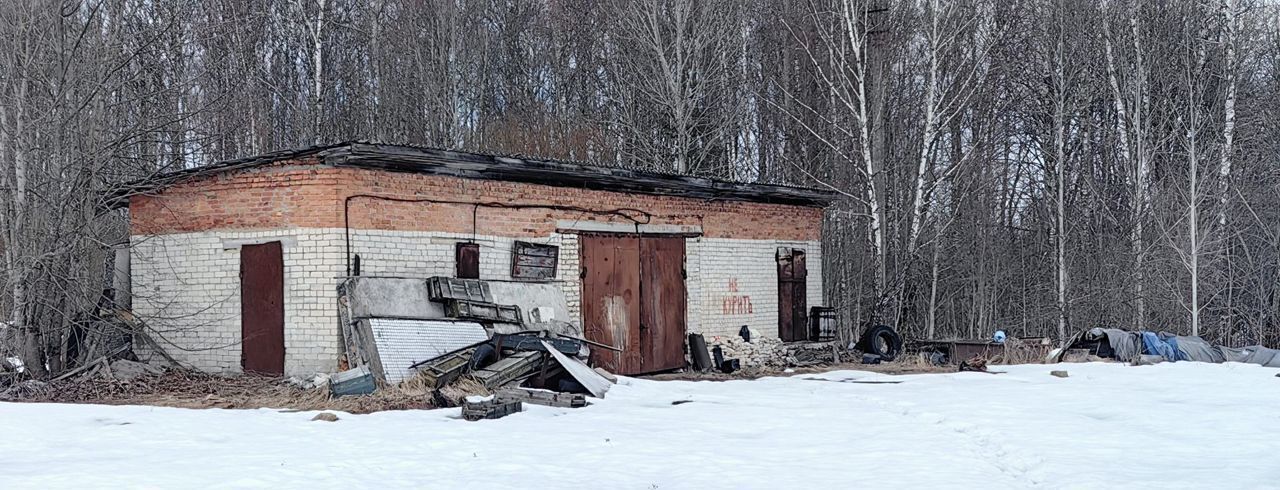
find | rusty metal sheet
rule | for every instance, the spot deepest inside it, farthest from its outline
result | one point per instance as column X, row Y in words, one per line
column 610, row 299
column 663, row 303
column 262, row 308
column 534, row 261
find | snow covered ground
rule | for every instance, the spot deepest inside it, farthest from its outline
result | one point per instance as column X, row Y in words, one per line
column 1179, row 425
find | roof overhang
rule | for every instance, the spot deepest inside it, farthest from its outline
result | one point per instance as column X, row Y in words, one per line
column 433, row 161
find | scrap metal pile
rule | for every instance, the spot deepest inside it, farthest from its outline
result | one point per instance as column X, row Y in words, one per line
column 468, row 342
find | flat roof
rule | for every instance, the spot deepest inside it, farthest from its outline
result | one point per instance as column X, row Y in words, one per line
column 484, row 166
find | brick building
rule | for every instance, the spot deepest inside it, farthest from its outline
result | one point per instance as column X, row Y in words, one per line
column 217, row 249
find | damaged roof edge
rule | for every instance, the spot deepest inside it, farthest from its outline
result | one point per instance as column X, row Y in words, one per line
column 118, row 196
column 432, row 161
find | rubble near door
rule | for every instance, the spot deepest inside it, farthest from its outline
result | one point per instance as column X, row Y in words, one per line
column 792, row 297
column 633, row 298
column 262, row 308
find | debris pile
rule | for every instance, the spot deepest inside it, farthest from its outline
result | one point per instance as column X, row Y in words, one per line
column 774, row 353
column 759, row 352
column 465, row 342
column 804, row 354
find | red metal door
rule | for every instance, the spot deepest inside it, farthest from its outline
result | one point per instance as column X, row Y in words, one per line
column 262, row 308
column 467, row 258
column 663, row 301
column 792, row 295
column 610, row 299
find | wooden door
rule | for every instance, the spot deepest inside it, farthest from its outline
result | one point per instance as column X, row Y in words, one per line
column 792, row 295
column 262, row 308
column 611, row 299
column 662, row 304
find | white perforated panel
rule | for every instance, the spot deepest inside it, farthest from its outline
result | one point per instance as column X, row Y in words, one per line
column 403, row 343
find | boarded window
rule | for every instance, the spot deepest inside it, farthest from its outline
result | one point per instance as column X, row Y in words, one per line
column 467, row 256
column 533, row 261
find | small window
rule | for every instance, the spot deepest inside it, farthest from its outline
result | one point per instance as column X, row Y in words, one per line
column 467, row 256
column 533, row 261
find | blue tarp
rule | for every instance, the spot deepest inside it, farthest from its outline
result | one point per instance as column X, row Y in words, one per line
column 1165, row 346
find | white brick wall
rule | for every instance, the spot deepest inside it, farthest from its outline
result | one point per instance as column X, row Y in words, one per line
column 187, row 285
column 717, row 265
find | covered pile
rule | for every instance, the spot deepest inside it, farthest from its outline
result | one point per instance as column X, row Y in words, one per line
column 1146, row 347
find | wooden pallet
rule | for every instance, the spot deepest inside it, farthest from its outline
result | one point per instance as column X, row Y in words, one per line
column 542, row 397
column 447, row 288
column 489, row 409
column 508, row 369
column 482, row 311
column 439, row 372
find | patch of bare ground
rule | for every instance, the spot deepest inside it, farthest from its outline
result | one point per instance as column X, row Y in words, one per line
column 909, row 365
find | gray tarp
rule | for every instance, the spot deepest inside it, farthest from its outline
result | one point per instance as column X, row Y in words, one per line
column 1255, row 354
column 1196, row 349
column 1128, row 347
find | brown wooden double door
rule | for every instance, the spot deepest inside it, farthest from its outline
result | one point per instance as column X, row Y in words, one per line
column 633, row 297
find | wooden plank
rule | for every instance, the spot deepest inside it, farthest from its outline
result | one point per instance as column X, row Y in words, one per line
column 368, row 349
column 489, row 409
column 542, row 397
column 508, row 369
column 479, row 310
column 446, row 369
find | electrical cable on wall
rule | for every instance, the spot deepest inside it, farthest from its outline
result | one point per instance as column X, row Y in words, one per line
column 625, row 213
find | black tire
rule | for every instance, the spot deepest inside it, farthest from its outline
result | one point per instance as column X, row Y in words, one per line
column 483, row 356
column 883, row 341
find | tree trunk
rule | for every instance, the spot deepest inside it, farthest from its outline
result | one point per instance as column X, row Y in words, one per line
column 317, row 53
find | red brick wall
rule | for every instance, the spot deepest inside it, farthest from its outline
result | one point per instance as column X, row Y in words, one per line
column 304, row 194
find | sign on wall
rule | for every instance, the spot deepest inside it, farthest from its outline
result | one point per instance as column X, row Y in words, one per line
column 534, row 261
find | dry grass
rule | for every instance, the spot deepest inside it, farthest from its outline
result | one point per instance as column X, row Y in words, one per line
column 455, row 393
column 1018, row 352
column 190, row 389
